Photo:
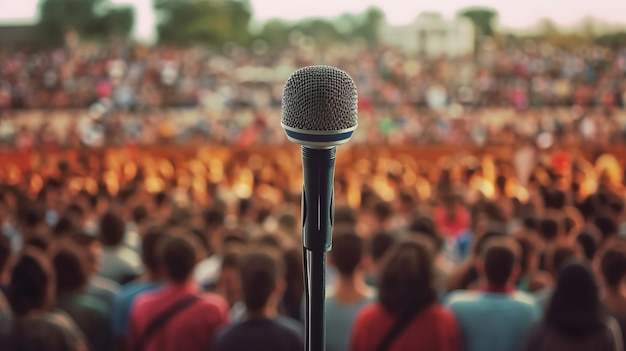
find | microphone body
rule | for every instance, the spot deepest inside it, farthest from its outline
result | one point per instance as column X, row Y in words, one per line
column 318, row 166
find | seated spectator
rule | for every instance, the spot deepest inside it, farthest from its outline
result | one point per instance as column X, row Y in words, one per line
column 90, row 314
column 498, row 317
column 262, row 277
column 178, row 316
column 406, row 315
column 150, row 280
column 35, row 326
column 349, row 293
column 119, row 263
column 103, row 288
column 574, row 319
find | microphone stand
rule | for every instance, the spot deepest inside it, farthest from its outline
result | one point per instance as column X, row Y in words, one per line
column 317, row 221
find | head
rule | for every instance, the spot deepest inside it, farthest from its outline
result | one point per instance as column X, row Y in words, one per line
column 558, row 257
column 383, row 212
column 150, row 245
column 574, row 309
column 229, row 281
column 32, row 286
column 528, row 253
column 500, row 262
column 71, row 269
column 345, row 216
column 92, row 248
column 140, row 215
column 549, row 229
column 379, row 245
column 112, row 230
column 613, row 268
column 425, row 226
column 178, row 256
column 406, row 279
column 262, row 279
column 587, row 244
column 347, row 253
column 606, row 226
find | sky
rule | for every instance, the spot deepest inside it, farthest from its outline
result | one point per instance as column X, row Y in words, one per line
column 512, row 13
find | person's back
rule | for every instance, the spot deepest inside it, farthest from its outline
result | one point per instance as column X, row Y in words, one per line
column 52, row 331
column 90, row 313
column 493, row 321
column 406, row 315
column 263, row 283
column 119, row 263
column 544, row 338
column 349, row 293
column 191, row 318
column 497, row 318
column 262, row 334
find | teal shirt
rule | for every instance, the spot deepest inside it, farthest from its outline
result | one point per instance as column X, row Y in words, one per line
column 339, row 321
column 123, row 304
column 493, row 321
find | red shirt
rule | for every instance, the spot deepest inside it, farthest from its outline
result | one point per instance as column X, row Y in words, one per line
column 192, row 329
column 435, row 328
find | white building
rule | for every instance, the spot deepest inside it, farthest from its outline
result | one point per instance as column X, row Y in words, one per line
column 433, row 35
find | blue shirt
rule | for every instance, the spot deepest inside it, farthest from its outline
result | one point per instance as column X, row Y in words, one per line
column 493, row 321
column 124, row 302
column 339, row 321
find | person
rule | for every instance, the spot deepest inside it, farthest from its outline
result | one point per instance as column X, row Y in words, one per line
column 612, row 271
column 406, row 314
column 119, row 263
column 193, row 318
column 35, row 325
column 574, row 319
column 349, row 293
column 263, row 280
column 557, row 258
column 379, row 244
column 90, row 313
column 497, row 317
column 100, row 287
column 151, row 280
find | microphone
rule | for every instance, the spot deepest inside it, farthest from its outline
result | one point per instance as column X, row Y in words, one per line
column 319, row 112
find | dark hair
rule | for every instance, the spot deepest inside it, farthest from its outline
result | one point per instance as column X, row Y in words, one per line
column 260, row 273
column 150, row 245
column 423, row 225
column 71, row 269
column 30, row 279
column 500, row 257
column 560, row 256
column 30, row 214
column 527, row 250
column 39, row 242
column 380, row 243
column 574, row 309
column 74, row 209
column 548, row 229
column 289, row 221
column 383, row 211
column 160, row 199
column 269, row 240
column 345, row 215
column 231, row 260
column 63, row 227
column 140, row 213
column 589, row 244
column 5, row 251
column 178, row 257
column 213, row 217
column 613, row 266
column 112, row 229
column 406, row 279
column 292, row 299
column 606, row 226
column 482, row 242
column 347, row 252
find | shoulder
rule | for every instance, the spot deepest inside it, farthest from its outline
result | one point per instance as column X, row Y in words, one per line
column 213, row 300
column 290, row 325
column 93, row 304
column 462, row 297
column 104, row 284
column 370, row 312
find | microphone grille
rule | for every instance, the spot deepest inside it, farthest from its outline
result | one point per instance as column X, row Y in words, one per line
column 319, row 98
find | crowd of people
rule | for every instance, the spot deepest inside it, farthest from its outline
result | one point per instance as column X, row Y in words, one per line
column 470, row 253
column 125, row 93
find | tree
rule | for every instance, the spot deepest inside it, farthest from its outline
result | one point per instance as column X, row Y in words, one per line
column 276, row 33
column 482, row 18
column 93, row 19
column 213, row 22
column 368, row 27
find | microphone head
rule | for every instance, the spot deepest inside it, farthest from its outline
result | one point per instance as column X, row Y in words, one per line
column 319, row 107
